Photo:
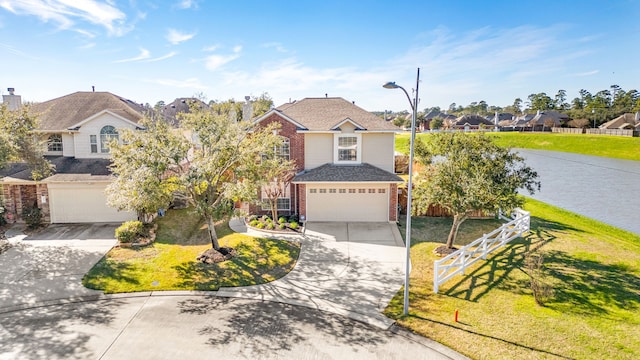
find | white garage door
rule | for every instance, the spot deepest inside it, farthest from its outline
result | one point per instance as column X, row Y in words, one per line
column 347, row 202
column 83, row 203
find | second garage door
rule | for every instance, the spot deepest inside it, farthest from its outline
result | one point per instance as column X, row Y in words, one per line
column 347, row 202
column 83, row 203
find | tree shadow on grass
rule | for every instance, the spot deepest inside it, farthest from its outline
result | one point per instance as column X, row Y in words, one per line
column 108, row 269
column 496, row 271
column 253, row 265
column 263, row 328
column 591, row 287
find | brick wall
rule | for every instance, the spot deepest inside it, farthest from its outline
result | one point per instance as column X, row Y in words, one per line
column 302, row 200
column 296, row 141
column 393, row 202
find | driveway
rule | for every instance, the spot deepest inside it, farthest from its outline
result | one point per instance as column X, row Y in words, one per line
column 351, row 269
column 49, row 265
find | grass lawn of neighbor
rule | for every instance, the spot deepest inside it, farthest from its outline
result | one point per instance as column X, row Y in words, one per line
column 592, row 269
column 619, row 147
column 170, row 262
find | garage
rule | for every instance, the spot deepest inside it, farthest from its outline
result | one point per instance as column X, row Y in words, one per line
column 347, row 202
column 83, row 202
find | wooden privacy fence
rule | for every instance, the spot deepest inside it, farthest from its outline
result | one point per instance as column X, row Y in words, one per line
column 456, row 263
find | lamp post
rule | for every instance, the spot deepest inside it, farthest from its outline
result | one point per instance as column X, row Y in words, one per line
column 414, row 107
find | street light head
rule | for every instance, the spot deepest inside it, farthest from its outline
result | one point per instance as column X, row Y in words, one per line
column 390, row 85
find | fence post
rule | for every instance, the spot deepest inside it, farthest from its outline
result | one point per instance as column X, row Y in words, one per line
column 435, row 277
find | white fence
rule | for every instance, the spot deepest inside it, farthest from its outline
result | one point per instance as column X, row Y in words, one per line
column 455, row 263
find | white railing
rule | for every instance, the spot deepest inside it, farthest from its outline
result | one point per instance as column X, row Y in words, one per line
column 455, row 263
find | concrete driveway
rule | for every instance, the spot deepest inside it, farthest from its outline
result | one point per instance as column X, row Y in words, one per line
column 351, row 269
column 48, row 266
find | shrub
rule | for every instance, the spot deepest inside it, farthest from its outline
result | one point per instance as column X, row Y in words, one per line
column 251, row 218
column 282, row 220
column 260, row 225
column 293, row 218
column 129, row 231
column 254, row 222
column 270, row 226
column 294, row 225
column 32, row 216
column 282, row 226
column 265, row 218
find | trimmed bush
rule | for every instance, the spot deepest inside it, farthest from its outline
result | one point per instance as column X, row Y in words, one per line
column 282, row 220
column 254, row 222
column 293, row 218
column 294, row 225
column 33, row 217
column 260, row 225
column 282, row 226
column 270, row 226
column 129, row 231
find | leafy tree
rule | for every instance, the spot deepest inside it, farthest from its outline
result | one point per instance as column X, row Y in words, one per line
column 145, row 165
column 436, row 123
column 540, row 101
column 18, row 142
column 277, row 174
column 468, row 172
column 225, row 165
column 560, row 100
column 262, row 104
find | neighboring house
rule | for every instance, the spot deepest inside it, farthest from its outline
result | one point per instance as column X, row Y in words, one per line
column 426, row 125
column 628, row 121
column 77, row 129
column 547, row 120
column 468, row 123
column 170, row 112
column 344, row 158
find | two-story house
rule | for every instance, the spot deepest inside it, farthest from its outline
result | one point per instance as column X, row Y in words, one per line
column 77, row 129
column 344, row 159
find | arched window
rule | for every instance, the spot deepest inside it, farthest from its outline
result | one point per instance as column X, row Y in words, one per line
column 54, row 143
column 106, row 134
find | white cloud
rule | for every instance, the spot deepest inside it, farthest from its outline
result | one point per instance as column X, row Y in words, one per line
column 275, row 45
column 175, row 37
column 587, row 73
column 214, row 62
column 144, row 54
column 210, row 48
column 65, row 13
column 187, row 4
column 163, row 57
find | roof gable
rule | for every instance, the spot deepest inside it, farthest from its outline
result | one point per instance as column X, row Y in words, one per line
column 103, row 112
column 64, row 112
column 281, row 115
column 324, row 114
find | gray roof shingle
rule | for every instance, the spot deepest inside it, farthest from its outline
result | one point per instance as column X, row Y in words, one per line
column 61, row 113
column 321, row 114
column 68, row 166
column 346, row 173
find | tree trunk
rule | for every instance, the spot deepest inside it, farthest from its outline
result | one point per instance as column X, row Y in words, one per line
column 274, row 210
column 458, row 219
column 212, row 233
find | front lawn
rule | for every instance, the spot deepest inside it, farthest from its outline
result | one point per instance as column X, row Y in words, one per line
column 169, row 263
column 594, row 271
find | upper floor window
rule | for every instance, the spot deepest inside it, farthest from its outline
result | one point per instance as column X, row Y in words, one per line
column 283, row 150
column 54, row 143
column 106, row 134
column 347, row 148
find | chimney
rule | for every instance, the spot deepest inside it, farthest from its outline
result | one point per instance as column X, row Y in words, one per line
column 93, row 88
column 247, row 109
column 13, row 102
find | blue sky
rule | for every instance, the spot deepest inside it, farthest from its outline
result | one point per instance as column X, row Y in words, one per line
column 467, row 51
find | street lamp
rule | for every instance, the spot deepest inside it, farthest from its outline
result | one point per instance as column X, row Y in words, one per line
column 414, row 107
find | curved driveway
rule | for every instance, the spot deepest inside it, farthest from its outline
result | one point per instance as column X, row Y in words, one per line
column 601, row 188
column 346, row 271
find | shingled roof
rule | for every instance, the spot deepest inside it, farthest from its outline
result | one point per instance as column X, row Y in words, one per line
column 61, row 113
column 346, row 173
column 69, row 168
column 322, row 114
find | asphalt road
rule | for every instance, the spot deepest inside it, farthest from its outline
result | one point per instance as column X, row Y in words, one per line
column 198, row 327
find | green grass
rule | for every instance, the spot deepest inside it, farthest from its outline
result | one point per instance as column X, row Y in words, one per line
column 594, row 270
column 169, row 263
column 620, row 147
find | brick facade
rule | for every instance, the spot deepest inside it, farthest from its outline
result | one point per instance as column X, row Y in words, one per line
column 393, row 202
column 18, row 197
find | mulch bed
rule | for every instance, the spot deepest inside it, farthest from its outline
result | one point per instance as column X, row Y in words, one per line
column 211, row 256
column 443, row 250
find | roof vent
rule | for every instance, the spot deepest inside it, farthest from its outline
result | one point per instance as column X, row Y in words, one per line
column 11, row 90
